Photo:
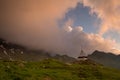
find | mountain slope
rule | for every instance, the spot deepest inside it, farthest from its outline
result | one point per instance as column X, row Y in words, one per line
column 107, row 59
column 13, row 52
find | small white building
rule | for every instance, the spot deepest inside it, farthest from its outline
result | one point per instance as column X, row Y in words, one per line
column 83, row 56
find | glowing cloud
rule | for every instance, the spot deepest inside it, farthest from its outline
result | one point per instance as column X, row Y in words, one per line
column 33, row 23
column 108, row 11
column 77, row 39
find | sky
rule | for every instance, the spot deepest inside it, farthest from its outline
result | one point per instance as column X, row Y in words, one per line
column 62, row 26
column 81, row 17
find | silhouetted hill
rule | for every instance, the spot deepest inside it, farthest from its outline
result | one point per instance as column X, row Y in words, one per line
column 107, row 59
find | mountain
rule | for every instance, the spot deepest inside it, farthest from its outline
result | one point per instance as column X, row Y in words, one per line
column 20, row 63
column 107, row 59
column 14, row 52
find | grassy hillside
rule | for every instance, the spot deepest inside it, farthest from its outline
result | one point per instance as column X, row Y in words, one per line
column 51, row 69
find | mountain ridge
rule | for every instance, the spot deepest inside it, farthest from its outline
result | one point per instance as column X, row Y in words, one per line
column 107, row 59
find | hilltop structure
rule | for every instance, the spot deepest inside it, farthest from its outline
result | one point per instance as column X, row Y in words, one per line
column 82, row 56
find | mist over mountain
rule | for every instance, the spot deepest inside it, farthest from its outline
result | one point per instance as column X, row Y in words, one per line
column 14, row 52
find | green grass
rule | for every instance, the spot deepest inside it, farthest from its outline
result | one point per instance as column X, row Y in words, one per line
column 51, row 69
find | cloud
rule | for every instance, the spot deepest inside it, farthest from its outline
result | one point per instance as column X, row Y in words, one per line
column 34, row 24
column 108, row 11
column 77, row 39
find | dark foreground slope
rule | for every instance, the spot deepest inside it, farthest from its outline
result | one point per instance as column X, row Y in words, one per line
column 50, row 69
